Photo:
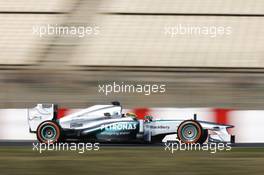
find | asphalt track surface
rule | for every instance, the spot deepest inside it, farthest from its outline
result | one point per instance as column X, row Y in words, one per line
column 30, row 143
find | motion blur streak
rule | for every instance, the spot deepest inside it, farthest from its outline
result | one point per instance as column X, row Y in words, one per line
column 201, row 74
column 247, row 122
column 131, row 47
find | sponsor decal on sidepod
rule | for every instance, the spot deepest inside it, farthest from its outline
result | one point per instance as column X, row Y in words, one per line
column 119, row 126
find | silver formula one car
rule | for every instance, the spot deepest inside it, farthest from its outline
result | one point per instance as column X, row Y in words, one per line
column 106, row 123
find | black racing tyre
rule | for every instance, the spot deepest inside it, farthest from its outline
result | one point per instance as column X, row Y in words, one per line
column 190, row 131
column 48, row 132
column 204, row 136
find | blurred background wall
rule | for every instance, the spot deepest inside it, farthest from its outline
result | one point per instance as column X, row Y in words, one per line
column 199, row 71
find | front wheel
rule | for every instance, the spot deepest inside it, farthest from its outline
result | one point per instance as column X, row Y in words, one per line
column 190, row 131
column 48, row 132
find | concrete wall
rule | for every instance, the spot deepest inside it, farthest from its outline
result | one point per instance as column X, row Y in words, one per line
column 134, row 39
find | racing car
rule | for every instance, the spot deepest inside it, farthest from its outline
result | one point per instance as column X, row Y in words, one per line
column 107, row 123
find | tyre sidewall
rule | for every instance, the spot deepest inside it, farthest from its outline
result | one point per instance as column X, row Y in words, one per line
column 48, row 123
column 194, row 123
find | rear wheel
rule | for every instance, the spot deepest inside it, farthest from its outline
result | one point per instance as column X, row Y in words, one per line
column 48, row 132
column 204, row 136
column 190, row 131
